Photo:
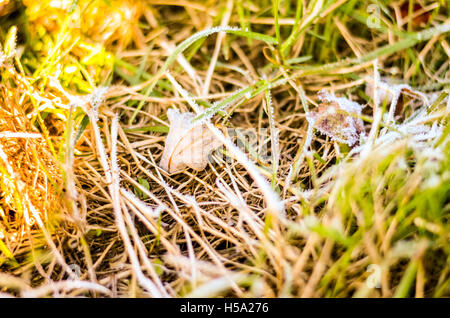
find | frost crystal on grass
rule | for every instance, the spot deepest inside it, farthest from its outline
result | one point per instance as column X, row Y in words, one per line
column 419, row 135
column 390, row 91
column 386, row 90
column 98, row 96
column 333, row 123
column 188, row 144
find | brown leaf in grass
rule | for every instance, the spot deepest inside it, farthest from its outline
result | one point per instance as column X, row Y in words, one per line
column 419, row 16
column 188, row 144
column 331, row 121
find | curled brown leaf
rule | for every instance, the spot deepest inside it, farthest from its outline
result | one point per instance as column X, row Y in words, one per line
column 188, row 144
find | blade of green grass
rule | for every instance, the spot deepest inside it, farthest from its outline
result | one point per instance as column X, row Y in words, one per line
column 188, row 42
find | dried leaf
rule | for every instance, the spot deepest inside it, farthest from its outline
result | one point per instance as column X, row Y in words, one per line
column 188, row 144
column 420, row 17
column 386, row 90
column 390, row 89
column 338, row 126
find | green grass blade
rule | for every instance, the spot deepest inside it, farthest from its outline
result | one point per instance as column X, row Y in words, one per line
column 188, row 42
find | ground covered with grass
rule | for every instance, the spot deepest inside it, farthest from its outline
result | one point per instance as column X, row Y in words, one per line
column 327, row 170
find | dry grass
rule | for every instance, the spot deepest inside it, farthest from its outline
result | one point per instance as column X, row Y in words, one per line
column 82, row 189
